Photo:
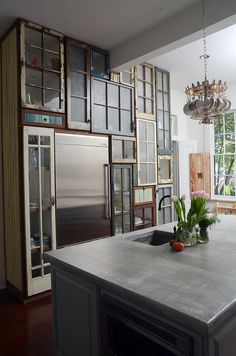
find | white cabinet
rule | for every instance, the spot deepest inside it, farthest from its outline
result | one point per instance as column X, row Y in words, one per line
column 39, row 194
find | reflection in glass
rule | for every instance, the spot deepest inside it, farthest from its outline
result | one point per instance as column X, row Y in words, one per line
column 52, row 99
column 33, row 56
column 117, row 179
column 52, row 80
column 126, row 202
column 78, row 58
column 126, row 178
column 129, row 151
column 127, row 222
column 118, row 225
column 51, row 61
column 51, row 43
column 33, row 37
column 34, row 96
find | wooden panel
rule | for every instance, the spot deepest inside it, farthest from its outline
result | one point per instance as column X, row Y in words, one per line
column 200, row 172
column 10, row 161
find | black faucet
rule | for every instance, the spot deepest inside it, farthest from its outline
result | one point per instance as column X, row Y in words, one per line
column 165, row 196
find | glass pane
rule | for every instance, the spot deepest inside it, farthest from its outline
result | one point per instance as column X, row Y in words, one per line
column 165, row 170
column 165, row 82
column 168, row 215
column 51, row 61
column 160, row 218
column 160, row 101
column 46, row 196
column 219, row 126
column 47, row 270
column 149, row 106
column 34, row 77
column 218, row 165
column 140, row 71
column 126, row 202
column 151, row 152
column 160, row 139
column 140, row 104
column 230, row 143
column 167, row 121
column 125, row 99
column 125, row 121
column 34, row 96
column 229, row 164
column 140, row 89
column 78, row 110
column 99, row 92
column 126, row 179
column 148, row 215
column 129, row 151
column 117, row 149
column 113, row 119
column 167, row 191
column 142, row 130
column 151, row 174
column 219, row 185
column 229, row 123
column 229, row 188
column 37, row 273
column 118, row 225
column 99, row 117
column 51, row 43
column 45, row 140
column 99, row 62
column 167, row 140
column 148, row 92
column 113, row 95
column 52, row 99
column 138, row 217
column 78, row 84
column 33, row 140
column 52, row 80
column 148, row 74
column 35, row 254
column 33, row 37
column 78, row 59
column 143, row 152
column 160, row 119
column 147, row 195
column 127, row 223
column 138, row 196
column 166, row 102
column 118, row 203
column 33, row 56
column 117, row 179
column 159, row 81
column 127, row 77
column 143, row 173
column 150, row 132
column 219, row 144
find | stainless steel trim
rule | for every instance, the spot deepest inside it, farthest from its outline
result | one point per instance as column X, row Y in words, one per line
column 107, row 177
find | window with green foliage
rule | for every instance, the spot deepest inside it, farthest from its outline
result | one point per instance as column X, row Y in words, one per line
column 224, row 156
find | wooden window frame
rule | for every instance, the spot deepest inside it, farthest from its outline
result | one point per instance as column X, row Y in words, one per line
column 139, row 114
column 123, row 139
column 43, row 113
column 143, row 207
column 70, row 123
column 170, row 179
column 24, row 65
column 151, row 202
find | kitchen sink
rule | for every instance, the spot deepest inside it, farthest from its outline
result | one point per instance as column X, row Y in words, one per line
column 154, row 238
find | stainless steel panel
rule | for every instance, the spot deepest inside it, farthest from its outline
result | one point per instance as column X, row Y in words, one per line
column 81, row 188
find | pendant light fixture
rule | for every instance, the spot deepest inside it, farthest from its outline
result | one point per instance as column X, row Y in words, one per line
column 207, row 100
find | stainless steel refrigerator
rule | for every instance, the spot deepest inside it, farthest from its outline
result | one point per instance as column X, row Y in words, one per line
column 82, row 191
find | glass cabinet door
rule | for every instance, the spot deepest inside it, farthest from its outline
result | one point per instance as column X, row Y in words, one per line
column 121, row 176
column 78, row 85
column 42, row 74
column 144, row 217
column 39, row 205
column 166, row 214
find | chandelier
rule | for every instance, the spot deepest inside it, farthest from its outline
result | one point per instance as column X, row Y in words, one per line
column 207, row 100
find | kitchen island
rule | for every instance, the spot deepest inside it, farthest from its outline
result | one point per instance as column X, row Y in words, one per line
column 118, row 296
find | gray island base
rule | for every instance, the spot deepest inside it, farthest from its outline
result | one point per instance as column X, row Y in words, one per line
column 118, row 296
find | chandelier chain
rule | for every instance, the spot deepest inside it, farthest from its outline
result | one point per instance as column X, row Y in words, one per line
column 204, row 37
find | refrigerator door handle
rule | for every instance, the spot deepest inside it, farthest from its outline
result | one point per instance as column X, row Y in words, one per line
column 107, row 191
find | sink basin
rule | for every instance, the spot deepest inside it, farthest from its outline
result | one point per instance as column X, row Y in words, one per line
column 154, row 238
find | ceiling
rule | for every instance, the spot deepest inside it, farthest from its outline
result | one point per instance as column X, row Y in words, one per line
column 104, row 23
column 186, row 67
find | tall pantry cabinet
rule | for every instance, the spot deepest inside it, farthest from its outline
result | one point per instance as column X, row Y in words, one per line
column 32, row 91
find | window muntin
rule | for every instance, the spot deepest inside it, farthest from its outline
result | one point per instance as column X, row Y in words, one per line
column 224, row 154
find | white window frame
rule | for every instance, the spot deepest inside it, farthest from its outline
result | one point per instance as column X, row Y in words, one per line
column 212, row 150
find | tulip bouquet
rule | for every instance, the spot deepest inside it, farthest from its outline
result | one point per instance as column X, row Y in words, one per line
column 192, row 226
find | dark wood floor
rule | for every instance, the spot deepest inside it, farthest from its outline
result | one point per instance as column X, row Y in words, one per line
column 25, row 329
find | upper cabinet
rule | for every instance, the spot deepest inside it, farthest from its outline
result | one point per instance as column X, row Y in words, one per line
column 42, row 68
column 78, row 85
column 145, row 91
column 99, row 63
column 163, row 112
column 112, row 108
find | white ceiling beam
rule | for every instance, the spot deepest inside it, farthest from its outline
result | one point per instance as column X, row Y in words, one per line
column 172, row 33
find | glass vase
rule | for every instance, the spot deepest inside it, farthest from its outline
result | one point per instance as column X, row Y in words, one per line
column 203, row 237
column 189, row 237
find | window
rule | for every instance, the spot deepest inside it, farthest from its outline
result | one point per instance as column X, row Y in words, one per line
column 224, row 173
column 145, row 91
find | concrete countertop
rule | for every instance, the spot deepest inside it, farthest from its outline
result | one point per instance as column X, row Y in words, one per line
column 199, row 282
